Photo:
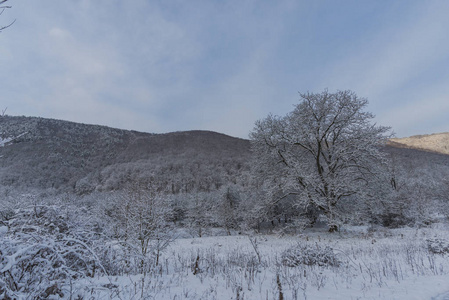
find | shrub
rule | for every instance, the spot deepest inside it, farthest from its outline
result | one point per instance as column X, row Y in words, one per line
column 438, row 246
column 45, row 248
column 310, row 256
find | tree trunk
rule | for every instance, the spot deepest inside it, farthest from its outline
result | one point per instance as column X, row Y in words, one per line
column 331, row 217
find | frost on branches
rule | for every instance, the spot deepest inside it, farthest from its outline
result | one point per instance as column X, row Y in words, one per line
column 43, row 248
column 142, row 226
column 325, row 153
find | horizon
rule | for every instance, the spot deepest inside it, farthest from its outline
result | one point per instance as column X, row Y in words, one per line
column 192, row 130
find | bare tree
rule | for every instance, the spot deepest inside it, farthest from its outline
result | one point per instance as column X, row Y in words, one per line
column 227, row 207
column 199, row 213
column 143, row 223
column 325, row 151
column 2, row 9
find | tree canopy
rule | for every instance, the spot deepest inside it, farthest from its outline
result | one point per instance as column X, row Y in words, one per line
column 326, row 150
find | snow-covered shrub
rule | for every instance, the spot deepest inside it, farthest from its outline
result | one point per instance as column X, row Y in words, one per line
column 394, row 220
column 309, row 255
column 45, row 248
column 139, row 221
column 438, row 246
column 116, row 258
column 38, row 268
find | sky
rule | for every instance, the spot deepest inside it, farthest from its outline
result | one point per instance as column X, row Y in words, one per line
column 163, row 66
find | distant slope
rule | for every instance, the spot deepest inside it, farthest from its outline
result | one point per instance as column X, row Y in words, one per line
column 438, row 142
column 55, row 157
column 60, row 157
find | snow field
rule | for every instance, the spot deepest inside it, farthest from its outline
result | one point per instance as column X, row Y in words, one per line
column 384, row 264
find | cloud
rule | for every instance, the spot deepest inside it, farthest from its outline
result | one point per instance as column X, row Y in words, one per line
column 123, row 78
column 394, row 68
column 59, row 33
column 395, row 55
column 420, row 117
column 158, row 66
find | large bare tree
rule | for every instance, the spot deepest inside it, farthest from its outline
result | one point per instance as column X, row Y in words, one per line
column 325, row 151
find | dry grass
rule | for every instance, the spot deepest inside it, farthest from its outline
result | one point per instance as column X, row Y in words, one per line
column 438, row 142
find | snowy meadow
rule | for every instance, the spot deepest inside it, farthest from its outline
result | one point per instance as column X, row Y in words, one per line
column 52, row 252
column 359, row 264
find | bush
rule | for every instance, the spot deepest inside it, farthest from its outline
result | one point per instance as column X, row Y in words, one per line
column 438, row 246
column 393, row 220
column 45, row 248
column 310, row 256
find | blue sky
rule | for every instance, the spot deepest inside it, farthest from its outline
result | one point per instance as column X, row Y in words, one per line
column 161, row 66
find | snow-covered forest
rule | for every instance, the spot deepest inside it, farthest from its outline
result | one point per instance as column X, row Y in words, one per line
column 315, row 206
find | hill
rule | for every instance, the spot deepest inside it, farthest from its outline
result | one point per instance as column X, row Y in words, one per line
column 65, row 157
column 438, row 142
column 55, row 157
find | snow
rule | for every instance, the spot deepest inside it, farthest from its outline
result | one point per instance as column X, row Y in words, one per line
column 444, row 296
column 387, row 264
column 356, row 263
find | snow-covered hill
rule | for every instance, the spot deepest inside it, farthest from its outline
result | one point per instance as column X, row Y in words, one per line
column 56, row 156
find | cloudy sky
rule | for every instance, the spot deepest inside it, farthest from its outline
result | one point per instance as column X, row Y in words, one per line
column 161, row 66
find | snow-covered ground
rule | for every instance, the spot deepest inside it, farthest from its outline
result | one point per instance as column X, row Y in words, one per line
column 353, row 264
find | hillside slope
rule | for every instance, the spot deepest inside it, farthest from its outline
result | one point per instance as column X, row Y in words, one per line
column 55, row 157
column 438, row 142
column 60, row 156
